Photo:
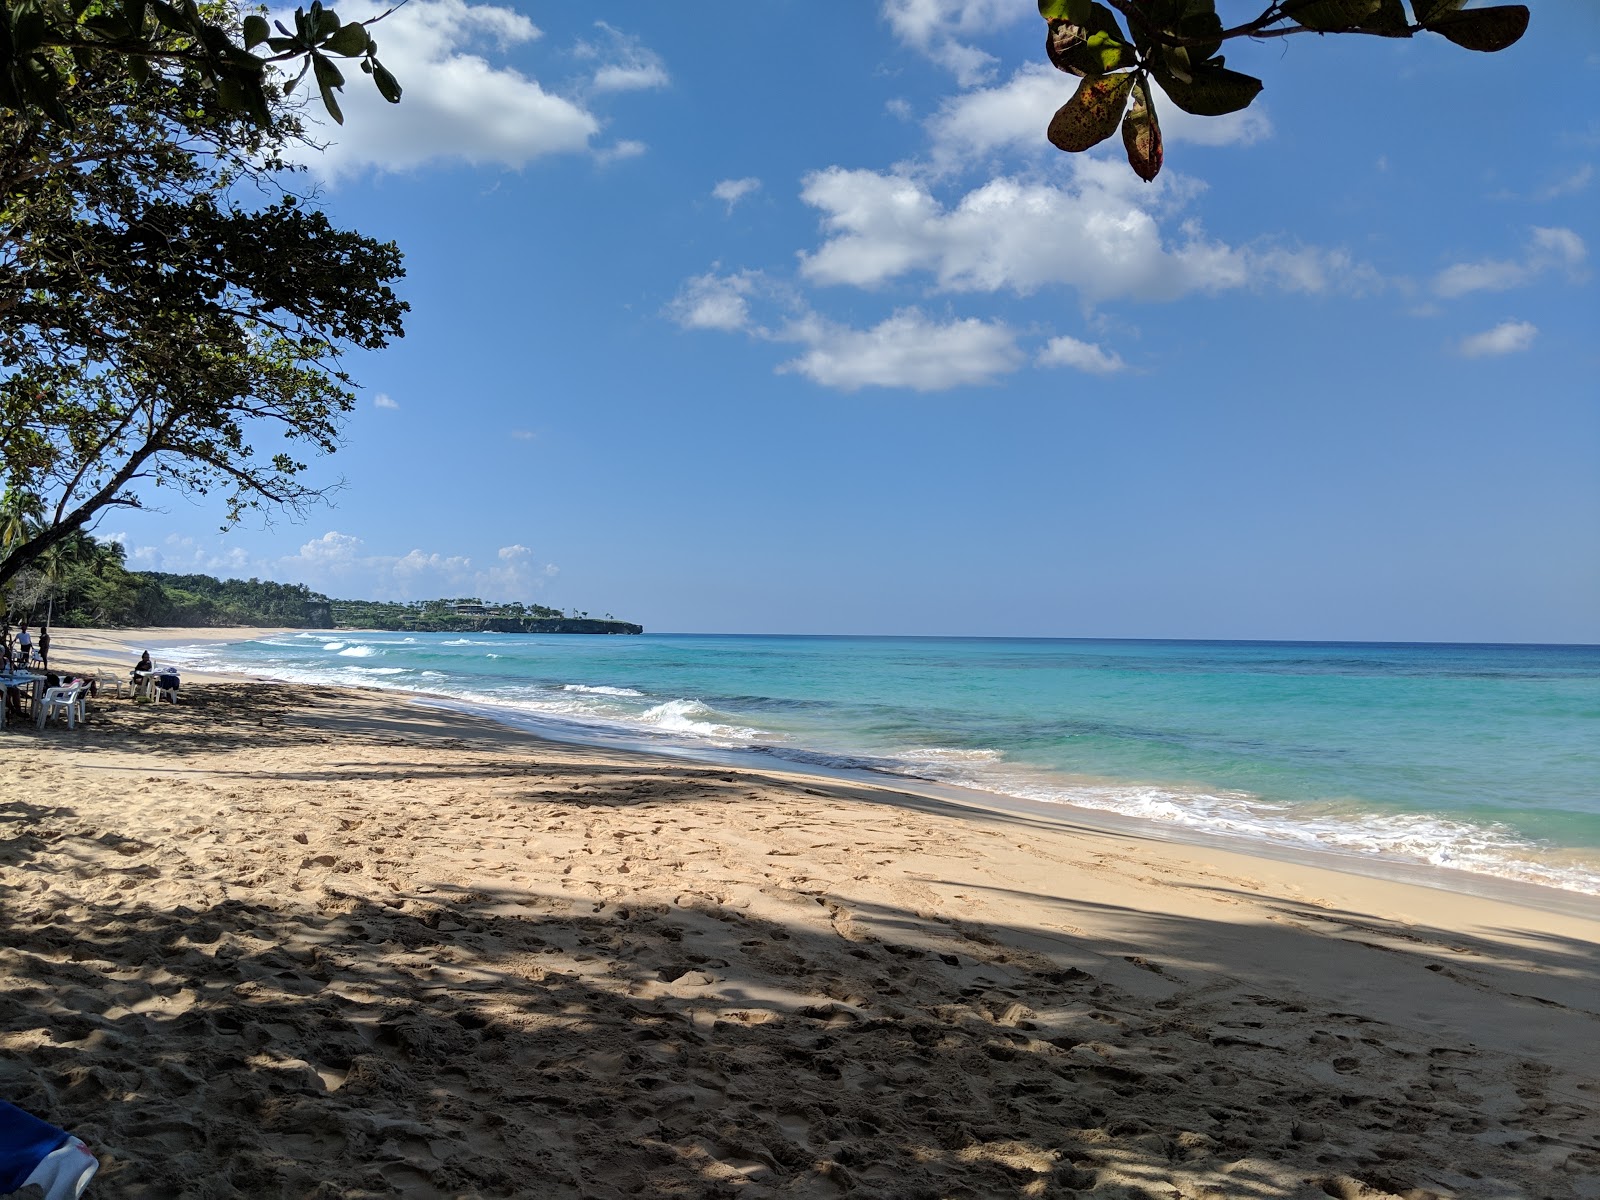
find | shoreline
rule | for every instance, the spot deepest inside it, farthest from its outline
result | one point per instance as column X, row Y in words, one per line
column 326, row 937
column 1462, row 881
column 1056, row 814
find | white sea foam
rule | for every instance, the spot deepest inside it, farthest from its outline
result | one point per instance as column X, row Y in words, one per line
column 334, row 646
column 600, row 690
column 941, row 755
column 678, row 716
column 1420, row 838
column 358, row 652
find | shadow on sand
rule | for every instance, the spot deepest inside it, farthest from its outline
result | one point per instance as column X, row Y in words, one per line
column 504, row 1042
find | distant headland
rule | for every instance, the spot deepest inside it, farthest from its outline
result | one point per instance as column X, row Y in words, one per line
column 110, row 595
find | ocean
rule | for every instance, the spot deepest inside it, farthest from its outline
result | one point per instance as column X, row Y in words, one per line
column 1475, row 758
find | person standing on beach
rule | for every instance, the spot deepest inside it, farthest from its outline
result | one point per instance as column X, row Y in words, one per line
column 24, row 645
column 44, row 646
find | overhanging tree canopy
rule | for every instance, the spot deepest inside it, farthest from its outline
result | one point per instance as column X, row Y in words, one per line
column 45, row 43
column 1178, row 42
column 152, row 322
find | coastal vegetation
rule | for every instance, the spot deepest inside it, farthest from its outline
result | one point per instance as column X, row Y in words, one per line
column 86, row 583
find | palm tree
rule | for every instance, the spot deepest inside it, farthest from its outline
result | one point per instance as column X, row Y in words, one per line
column 75, row 550
column 20, row 514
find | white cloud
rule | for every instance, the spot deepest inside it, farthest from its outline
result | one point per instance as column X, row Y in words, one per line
column 524, row 435
column 343, row 566
column 516, row 574
column 713, row 301
column 1094, row 235
column 627, row 148
column 907, row 350
column 384, row 400
column 1013, row 116
column 1546, row 250
column 1569, row 185
column 731, row 191
column 332, row 549
column 1085, row 356
column 184, row 555
column 625, row 64
column 620, row 77
column 942, row 29
column 457, row 106
column 1508, row 337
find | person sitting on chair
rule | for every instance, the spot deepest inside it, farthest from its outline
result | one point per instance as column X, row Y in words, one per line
column 143, row 666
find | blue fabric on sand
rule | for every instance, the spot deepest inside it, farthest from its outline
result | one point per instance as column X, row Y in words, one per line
column 24, row 1141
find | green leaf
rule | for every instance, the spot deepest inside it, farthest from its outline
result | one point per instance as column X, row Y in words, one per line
column 1485, row 29
column 27, row 32
column 322, row 22
column 1095, row 48
column 1141, row 135
column 171, row 17
column 328, row 80
column 1091, row 116
column 1074, row 12
column 256, row 101
column 1388, row 21
column 388, row 85
column 231, row 96
column 1426, row 10
column 1204, row 24
column 1325, row 15
column 1212, row 91
column 351, row 40
column 1177, row 63
column 256, row 30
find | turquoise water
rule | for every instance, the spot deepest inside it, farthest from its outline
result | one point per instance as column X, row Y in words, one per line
column 1478, row 758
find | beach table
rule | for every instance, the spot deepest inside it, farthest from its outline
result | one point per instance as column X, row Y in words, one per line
column 144, row 685
column 30, row 684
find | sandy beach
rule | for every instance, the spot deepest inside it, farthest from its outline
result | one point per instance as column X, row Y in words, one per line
column 298, row 941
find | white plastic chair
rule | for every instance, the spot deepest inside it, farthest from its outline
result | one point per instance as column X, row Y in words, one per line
column 114, row 683
column 169, row 694
column 65, row 701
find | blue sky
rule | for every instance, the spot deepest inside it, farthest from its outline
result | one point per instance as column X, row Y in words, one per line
column 785, row 317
